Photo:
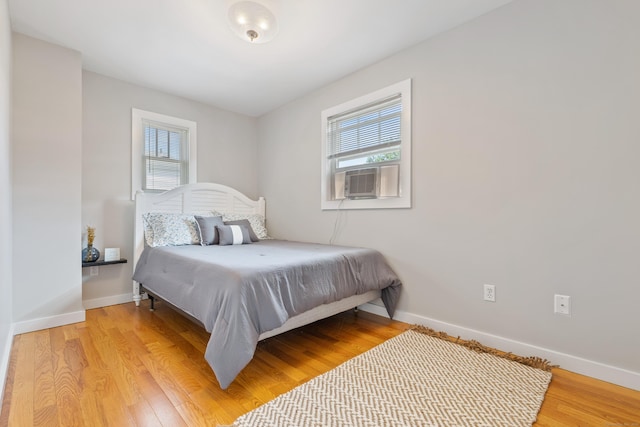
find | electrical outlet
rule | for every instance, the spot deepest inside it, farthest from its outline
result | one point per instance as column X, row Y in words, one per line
column 490, row 293
column 562, row 304
column 94, row 271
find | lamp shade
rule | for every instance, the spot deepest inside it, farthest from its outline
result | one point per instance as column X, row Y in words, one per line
column 252, row 22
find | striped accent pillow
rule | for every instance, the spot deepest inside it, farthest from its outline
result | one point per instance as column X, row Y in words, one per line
column 233, row 234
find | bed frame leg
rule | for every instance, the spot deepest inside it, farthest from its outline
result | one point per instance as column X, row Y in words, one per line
column 153, row 300
column 355, row 309
column 136, row 293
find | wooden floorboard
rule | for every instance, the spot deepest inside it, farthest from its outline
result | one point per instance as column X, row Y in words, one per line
column 127, row 366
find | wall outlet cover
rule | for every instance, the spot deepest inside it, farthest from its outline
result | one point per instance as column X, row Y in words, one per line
column 490, row 293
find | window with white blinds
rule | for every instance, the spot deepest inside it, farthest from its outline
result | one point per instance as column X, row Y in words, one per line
column 366, row 151
column 369, row 134
column 166, row 156
column 163, row 151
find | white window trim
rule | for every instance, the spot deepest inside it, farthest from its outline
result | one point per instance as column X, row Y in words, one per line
column 404, row 199
column 137, row 144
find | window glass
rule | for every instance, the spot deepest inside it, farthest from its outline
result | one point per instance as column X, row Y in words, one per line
column 367, row 144
column 163, row 151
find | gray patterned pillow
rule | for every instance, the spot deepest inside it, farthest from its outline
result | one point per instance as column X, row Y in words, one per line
column 148, row 231
column 170, row 229
column 256, row 220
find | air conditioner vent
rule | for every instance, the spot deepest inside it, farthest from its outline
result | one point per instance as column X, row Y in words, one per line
column 361, row 183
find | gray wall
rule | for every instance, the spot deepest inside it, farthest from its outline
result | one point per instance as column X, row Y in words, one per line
column 5, row 192
column 227, row 154
column 46, row 144
column 525, row 176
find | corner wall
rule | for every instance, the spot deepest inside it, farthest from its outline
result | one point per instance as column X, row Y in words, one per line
column 47, row 155
column 6, row 329
column 106, row 167
column 525, row 149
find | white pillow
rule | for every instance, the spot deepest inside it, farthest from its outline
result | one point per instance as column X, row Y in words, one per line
column 170, row 229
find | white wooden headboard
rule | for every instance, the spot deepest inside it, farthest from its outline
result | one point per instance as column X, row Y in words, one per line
column 189, row 198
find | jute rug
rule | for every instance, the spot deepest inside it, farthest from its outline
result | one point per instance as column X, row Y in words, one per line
column 414, row 379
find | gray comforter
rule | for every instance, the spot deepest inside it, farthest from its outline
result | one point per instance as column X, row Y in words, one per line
column 239, row 292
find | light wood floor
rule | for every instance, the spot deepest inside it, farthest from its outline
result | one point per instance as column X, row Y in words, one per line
column 126, row 366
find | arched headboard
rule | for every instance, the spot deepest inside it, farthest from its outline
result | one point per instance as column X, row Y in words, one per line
column 189, row 198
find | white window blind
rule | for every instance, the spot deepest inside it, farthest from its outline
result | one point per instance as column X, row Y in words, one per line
column 163, row 151
column 166, row 156
column 370, row 128
column 368, row 140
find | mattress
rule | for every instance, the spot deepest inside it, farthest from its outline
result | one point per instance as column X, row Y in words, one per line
column 241, row 291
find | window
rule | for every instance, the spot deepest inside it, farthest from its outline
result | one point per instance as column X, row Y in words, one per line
column 163, row 151
column 366, row 151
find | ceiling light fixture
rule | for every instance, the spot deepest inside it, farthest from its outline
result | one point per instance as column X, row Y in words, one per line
column 252, row 22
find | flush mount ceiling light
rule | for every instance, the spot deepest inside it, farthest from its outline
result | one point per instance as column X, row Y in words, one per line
column 252, row 22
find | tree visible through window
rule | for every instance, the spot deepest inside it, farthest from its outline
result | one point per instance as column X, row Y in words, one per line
column 386, row 157
column 368, row 134
column 367, row 151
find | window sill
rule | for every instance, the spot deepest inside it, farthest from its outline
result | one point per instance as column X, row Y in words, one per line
column 386, row 203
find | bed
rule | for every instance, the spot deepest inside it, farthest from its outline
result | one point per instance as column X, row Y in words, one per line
column 243, row 293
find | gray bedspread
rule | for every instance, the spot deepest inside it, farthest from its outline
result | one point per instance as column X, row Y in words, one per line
column 241, row 291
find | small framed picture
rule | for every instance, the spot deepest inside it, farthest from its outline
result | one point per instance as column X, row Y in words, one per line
column 111, row 254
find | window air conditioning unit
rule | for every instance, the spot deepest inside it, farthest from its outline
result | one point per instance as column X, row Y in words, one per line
column 361, row 183
column 367, row 183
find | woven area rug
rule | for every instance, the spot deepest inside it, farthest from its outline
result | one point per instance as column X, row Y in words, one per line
column 414, row 379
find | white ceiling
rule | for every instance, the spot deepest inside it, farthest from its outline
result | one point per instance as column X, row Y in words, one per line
column 186, row 47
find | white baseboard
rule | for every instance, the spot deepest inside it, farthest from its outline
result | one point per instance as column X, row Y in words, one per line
column 106, row 301
column 4, row 362
column 571, row 363
column 48, row 322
